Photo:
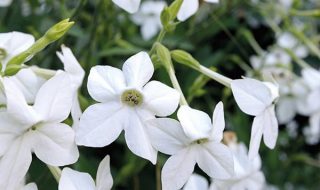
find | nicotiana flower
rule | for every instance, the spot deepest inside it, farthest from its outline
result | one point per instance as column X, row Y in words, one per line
column 247, row 171
column 76, row 73
column 130, row 6
column 148, row 17
column 12, row 44
column 288, row 41
column 25, row 129
column 5, row 3
column 194, row 140
column 256, row 98
column 128, row 100
column 189, row 8
column 74, row 180
column 196, row 182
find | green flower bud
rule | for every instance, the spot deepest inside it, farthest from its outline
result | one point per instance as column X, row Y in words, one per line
column 58, row 30
column 164, row 55
column 185, row 58
column 12, row 70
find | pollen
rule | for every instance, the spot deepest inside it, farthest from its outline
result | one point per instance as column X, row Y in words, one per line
column 132, row 98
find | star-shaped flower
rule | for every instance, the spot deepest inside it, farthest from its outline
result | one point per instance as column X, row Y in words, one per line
column 256, row 98
column 190, row 7
column 74, row 180
column 127, row 101
column 195, row 140
column 131, row 6
column 25, row 129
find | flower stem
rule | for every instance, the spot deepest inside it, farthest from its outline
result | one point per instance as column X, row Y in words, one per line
column 176, row 85
column 55, row 171
column 215, row 76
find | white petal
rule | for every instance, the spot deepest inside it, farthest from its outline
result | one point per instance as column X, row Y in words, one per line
column 130, row 6
column 15, row 164
column 177, row 169
column 5, row 3
column 100, row 124
column 161, row 99
column 215, row 159
column 30, row 186
column 212, row 1
column 76, row 112
column 187, row 9
column 105, row 83
column 149, row 28
column 270, row 128
column 54, row 99
column 286, row 109
column 71, row 66
column 218, row 123
column 252, row 96
column 138, row 70
column 196, row 182
column 312, row 77
column 104, row 178
column 196, row 124
column 17, row 105
column 54, row 144
column 137, row 137
column 74, row 180
column 167, row 135
column 256, row 135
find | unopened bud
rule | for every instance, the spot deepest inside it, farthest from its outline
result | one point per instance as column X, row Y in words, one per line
column 185, row 58
column 58, row 30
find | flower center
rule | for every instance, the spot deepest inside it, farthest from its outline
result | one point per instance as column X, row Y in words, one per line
column 201, row 141
column 3, row 54
column 132, row 98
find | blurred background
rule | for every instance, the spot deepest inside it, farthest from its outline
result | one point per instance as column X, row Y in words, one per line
column 235, row 37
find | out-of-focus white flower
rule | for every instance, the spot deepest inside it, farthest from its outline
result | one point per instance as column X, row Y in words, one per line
column 277, row 57
column 12, row 44
column 131, row 6
column 247, row 171
column 128, row 100
column 25, row 129
column 76, row 73
column 196, row 182
column 292, row 129
column 256, row 98
column 5, row 3
column 312, row 132
column 195, row 140
column 288, row 41
column 148, row 17
column 190, row 7
column 74, row 180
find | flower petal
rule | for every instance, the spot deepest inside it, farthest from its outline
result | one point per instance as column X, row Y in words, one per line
column 252, row 96
column 130, row 6
column 177, row 169
column 167, row 135
column 256, row 135
column 149, row 28
column 30, row 186
column 196, row 182
column 161, row 99
column 216, row 160
column 104, row 178
column 270, row 128
column 15, row 164
column 54, row 99
column 105, row 83
column 74, row 180
column 196, row 124
column 54, row 144
column 312, row 77
column 187, row 9
column 100, row 124
column 218, row 123
column 138, row 70
column 136, row 136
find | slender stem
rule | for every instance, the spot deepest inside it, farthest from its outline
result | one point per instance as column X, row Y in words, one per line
column 215, row 76
column 160, row 37
column 176, row 85
column 298, row 60
column 158, row 176
column 56, row 172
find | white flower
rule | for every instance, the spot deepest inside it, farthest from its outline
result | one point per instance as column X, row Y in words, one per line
column 189, row 8
column 30, row 186
column 194, row 140
column 5, row 3
column 12, row 44
column 256, row 98
column 148, row 18
column 288, row 41
column 196, row 182
column 247, row 172
column 128, row 100
column 312, row 132
column 25, row 129
column 130, row 6
column 74, row 180
column 76, row 73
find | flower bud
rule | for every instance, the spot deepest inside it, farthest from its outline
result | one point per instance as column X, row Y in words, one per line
column 163, row 55
column 12, row 69
column 58, row 30
column 185, row 58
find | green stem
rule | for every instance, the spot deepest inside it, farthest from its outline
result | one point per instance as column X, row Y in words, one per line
column 160, row 37
column 299, row 61
column 176, row 85
column 56, row 172
column 215, row 76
